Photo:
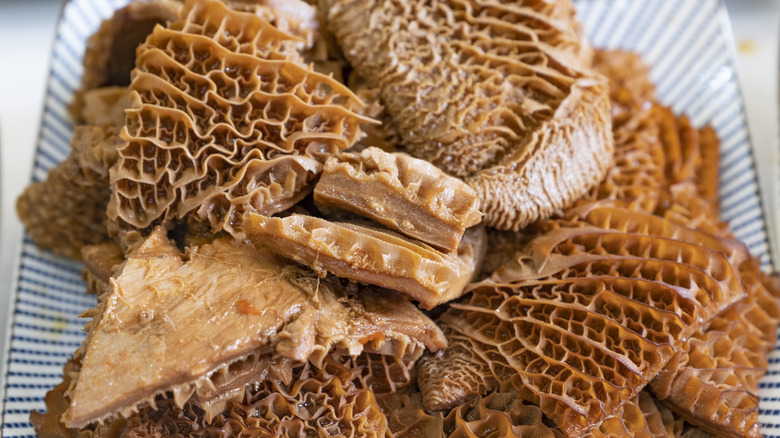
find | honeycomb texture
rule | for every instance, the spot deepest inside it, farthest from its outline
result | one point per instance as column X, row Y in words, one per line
column 407, row 418
column 311, row 401
column 110, row 53
column 498, row 93
column 105, row 106
column 495, row 416
column 323, row 401
column 714, row 384
column 385, row 374
column 642, row 416
column 592, row 309
column 67, row 210
column 224, row 120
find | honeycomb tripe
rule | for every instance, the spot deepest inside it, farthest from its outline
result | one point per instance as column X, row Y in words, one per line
column 590, row 311
column 643, row 416
column 224, row 120
column 499, row 94
column 713, row 382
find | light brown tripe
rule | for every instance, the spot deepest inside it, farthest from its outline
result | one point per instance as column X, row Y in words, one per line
column 224, row 122
column 499, row 94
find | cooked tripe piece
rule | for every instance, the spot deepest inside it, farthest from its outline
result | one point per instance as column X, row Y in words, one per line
column 371, row 255
column 68, row 209
column 500, row 94
column 403, row 193
column 585, row 316
column 713, row 382
column 170, row 320
column 224, row 119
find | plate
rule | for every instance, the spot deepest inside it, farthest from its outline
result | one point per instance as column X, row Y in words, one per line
column 688, row 44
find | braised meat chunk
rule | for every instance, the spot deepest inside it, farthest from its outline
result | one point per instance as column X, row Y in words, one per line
column 110, row 55
column 371, row 255
column 408, row 195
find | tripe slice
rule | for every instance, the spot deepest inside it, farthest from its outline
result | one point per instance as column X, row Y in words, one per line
column 406, row 194
column 371, row 255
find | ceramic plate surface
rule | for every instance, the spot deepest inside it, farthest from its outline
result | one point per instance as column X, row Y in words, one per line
column 687, row 43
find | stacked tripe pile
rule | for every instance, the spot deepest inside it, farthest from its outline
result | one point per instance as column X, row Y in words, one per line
column 266, row 203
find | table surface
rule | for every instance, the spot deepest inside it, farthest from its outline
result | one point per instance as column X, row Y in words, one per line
column 26, row 33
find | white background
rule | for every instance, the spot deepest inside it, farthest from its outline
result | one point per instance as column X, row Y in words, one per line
column 27, row 30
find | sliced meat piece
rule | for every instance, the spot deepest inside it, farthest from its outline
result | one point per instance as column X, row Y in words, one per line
column 713, row 384
column 371, row 255
column 642, row 416
column 99, row 263
column 498, row 94
column 289, row 399
column 245, row 131
column 403, row 193
column 110, row 54
column 171, row 320
column 590, row 311
column 68, row 209
column 105, row 106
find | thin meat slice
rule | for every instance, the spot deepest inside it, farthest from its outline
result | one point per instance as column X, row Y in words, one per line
column 171, row 320
column 371, row 255
column 406, row 194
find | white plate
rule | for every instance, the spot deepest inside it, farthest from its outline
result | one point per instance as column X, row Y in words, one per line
column 687, row 43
